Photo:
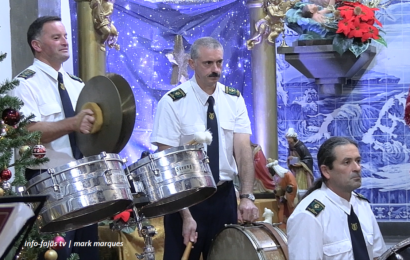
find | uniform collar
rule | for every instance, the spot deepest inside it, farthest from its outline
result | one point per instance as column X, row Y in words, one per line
column 336, row 199
column 48, row 69
column 202, row 95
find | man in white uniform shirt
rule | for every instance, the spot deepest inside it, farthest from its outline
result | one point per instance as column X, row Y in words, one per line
column 39, row 90
column 332, row 221
column 181, row 113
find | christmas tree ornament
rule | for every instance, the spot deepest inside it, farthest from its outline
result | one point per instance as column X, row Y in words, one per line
column 2, row 192
column 23, row 149
column 51, row 255
column 59, row 242
column 39, row 151
column 6, row 186
column 10, row 116
column 5, row 175
column 3, row 131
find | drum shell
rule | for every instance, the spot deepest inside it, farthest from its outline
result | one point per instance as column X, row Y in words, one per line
column 248, row 242
column 81, row 192
column 173, row 179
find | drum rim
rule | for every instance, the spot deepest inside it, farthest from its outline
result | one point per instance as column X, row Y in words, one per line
column 395, row 248
column 72, row 164
column 164, row 153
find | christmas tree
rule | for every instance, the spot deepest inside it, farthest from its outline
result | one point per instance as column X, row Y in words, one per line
column 15, row 136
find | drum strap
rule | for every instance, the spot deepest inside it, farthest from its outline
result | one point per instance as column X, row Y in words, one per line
column 68, row 112
column 276, row 234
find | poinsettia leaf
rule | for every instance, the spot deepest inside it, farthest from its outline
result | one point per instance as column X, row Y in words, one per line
column 381, row 41
column 341, row 43
column 358, row 49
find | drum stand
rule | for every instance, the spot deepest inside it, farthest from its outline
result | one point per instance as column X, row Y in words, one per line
column 146, row 232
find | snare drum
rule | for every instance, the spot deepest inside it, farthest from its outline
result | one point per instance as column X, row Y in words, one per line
column 173, row 179
column 82, row 192
column 259, row 241
column 400, row 251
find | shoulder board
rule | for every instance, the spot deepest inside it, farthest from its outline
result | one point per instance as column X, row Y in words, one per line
column 232, row 91
column 360, row 196
column 75, row 78
column 177, row 94
column 315, row 207
column 26, row 74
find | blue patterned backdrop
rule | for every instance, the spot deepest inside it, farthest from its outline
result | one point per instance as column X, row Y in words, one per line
column 371, row 112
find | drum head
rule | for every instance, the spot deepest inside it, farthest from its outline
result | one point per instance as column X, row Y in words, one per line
column 245, row 243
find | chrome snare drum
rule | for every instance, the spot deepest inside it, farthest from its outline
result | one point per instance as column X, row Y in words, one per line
column 82, row 192
column 173, row 179
column 400, row 251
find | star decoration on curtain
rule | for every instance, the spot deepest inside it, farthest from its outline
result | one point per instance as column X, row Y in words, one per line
column 179, row 59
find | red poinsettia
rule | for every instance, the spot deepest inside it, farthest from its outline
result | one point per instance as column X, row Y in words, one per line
column 357, row 23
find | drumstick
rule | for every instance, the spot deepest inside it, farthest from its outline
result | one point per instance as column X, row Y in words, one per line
column 187, row 251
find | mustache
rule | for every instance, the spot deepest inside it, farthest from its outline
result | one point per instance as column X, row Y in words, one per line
column 214, row 75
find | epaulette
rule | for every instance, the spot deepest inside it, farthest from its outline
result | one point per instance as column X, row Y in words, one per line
column 177, row 94
column 360, row 196
column 232, row 91
column 26, row 74
column 315, row 207
column 75, row 78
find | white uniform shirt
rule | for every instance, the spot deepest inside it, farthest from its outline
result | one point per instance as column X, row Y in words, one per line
column 41, row 98
column 177, row 121
column 327, row 236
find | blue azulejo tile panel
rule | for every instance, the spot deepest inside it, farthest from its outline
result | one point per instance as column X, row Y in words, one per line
column 398, row 212
column 381, row 212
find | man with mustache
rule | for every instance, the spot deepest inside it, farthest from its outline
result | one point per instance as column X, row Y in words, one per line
column 332, row 221
column 42, row 92
column 190, row 108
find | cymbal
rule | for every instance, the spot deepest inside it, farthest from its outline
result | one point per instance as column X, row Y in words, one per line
column 115, row 98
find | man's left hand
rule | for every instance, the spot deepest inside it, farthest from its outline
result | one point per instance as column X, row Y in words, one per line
column 247, row 211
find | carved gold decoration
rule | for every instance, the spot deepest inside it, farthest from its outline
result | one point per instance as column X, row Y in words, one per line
column 272, row 24
column 101, row 11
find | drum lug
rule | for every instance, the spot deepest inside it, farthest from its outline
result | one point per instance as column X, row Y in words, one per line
column 107, row 177
column 152, row 165
column 55, row 185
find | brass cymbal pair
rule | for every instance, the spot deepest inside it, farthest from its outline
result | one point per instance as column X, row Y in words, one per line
column 111, row 99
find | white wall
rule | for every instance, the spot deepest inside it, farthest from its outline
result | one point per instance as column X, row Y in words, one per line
column 5, row 42
column 66, row 19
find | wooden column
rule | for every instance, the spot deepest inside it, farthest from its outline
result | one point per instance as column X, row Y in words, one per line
column 264, row 87
column 91, row 58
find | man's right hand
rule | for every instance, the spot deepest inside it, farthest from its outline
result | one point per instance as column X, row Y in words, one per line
column 188, row 227
column 84, row 121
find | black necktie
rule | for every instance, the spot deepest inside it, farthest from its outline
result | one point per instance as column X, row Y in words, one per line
column 69, row 112
column 213, row 149
column 356, row 235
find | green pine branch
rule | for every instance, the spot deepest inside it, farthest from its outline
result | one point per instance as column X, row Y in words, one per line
column 11, row 140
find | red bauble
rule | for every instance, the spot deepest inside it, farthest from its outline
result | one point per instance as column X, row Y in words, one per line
column 5, row 175
column 59, row 242
column 39, row 151
column 10, row 116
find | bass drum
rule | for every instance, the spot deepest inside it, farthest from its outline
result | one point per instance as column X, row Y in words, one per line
column 259, row 241
column 400, row 251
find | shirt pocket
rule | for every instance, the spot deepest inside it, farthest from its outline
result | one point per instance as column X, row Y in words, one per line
column 337, row 250
column 188, row 132
column 50, row 111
